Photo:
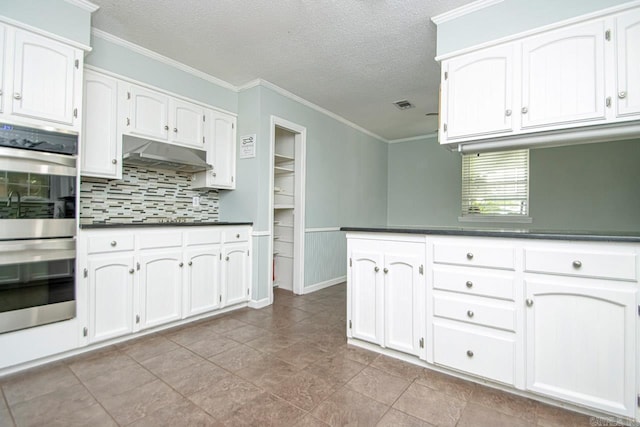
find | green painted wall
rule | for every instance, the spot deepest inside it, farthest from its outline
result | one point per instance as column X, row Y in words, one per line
column 511, row 17
column 55, row 16
column 591, row 187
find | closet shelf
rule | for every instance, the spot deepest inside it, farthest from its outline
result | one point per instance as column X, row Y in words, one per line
column 283, row 206
column 281, row 158
column 280, row 170
column 281, row 224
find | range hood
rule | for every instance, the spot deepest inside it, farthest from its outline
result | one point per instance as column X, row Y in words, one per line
column 160, row 155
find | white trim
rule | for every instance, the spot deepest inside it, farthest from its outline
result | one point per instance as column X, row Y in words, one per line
column 258, row 304
column 249, row 85
column 321, row 285
column 260, row 233
column 84, row 4
column 537, row 30
column 463, row 10
column 161, row 58
column 321, row 230
column 42, row 32
column 433, row 135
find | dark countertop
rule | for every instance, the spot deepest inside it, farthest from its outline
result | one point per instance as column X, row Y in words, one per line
column 615, row 236
column 156, row 224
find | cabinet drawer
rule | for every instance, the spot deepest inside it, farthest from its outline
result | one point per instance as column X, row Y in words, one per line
column 476, row 353
column 472, row 310
column 488, row 285
column 110, row 243
column 202, row 237
column 160, row 239
column 236, row 235
column 598, row 264
column 474, row 255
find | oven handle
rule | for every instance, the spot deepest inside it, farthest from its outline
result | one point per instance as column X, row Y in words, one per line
column 15, row 159
column 22, row 251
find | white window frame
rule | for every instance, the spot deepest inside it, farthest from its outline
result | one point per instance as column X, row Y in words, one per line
column 466, row 190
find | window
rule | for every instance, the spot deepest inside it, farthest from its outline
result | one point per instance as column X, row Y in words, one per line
column 495, row 186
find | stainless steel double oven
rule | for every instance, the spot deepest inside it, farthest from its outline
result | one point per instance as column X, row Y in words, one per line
column 38, row 189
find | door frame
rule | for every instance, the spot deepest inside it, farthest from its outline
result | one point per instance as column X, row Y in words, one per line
column 300, row 142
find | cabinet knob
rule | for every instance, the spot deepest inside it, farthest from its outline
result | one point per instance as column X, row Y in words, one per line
column 131, row 271
column 175, row 130
column 114, row 161
column 213, row 174
column 577, row 264
column 525, row 110
column 507, row 113
column 226, row 258
column 608, row 101
column 113, row 243
column 469, row 284
column 376, row 269
column 190, row 263
column 181, row 264
column 469, row 255
column 622, row 95
column 166, row 127
column 386, row 270
column 469, row 353
column 0, row 92
column 237, row 236
column 17, row 95
column 469, row 313
column 529, row 302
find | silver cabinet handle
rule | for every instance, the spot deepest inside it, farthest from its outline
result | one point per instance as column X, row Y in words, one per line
column 469, row 284
column 113, row 243
column 525, row 110
column 114, row 161
column 175, row 130
column 166, row 127
column 376, row 269
column 181, row 264
column 17, row 95
column 507, row 113
column 137, row 318
column 131, row 271
column 622, row 95
column 0, row 92
column 237, row 236
column 608, row 101
column 529, row 302
column 469, row 313
column 190, row 263
column 226, row 258
column 386, row 270
column 469, row 255
column 577, row 264
column 469, row 353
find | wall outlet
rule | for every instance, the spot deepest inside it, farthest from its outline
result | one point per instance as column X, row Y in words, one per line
column 196, row 201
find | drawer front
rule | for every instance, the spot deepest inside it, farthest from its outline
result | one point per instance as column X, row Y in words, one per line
column 605, row 265
column 477, row 312
column 202, row 237
column 110, row 243
column 160, row 239
column 236, row 235
column 478, row 354
column 488, row 285
column 475, row 255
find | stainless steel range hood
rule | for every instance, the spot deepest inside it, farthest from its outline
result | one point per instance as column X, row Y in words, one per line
column 160, row 155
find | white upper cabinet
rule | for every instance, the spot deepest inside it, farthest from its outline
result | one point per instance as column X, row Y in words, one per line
column 186, row 124
column 478, row 93
column 563, row 78
column 220, row 131
column 40, row 80
column 101, row 148
column 148, row 111
column 627, row 35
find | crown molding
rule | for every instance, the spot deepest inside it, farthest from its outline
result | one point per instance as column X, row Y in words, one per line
column 84, row 4
column 42, row 32
column 161, row 58
column 463, row 10
column 433, row 135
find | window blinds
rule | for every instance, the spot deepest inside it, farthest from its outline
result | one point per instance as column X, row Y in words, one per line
column 495, row 184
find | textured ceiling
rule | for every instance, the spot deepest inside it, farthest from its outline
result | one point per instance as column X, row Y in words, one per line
column 351, row 57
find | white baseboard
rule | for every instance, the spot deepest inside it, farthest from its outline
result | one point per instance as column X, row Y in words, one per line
column 259, row 303
column 317, row 286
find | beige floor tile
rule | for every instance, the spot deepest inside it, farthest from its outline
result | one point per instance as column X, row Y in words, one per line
column 212, row 346
column 238, row 358
column 225, row 324
column 100, row 364
column 336, row 366
column 552, row 416
column 506, row 403
column 430, row 405
column 245, row 333
column 118, row 381
column 147, row 347
column 378, row 385
column 395, row 418
column 37, row 382
column 300, row 354
column 346, row 407
column 447, row 384
column 310, row 421
column 266, row 410
column 195, row 378
column 358, row 354
column 93, row 416
column 267, row 372
column 183, row 413
column 191, row 334
column 171, row 361
column 5, row 416
column 397, row 367
column 272, row 343
column 225, row 396
column 304, row 389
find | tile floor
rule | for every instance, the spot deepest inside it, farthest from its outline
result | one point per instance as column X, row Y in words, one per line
column 284, row 365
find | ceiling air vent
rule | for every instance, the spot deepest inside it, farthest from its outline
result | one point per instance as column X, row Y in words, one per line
column 403, row 104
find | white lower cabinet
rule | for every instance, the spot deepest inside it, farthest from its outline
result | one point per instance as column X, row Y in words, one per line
column 387, row 287
column 160, row 287
column 235, row 277
column 202, row 291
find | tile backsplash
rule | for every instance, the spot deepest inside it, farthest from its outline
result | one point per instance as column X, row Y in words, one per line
column 145, row 195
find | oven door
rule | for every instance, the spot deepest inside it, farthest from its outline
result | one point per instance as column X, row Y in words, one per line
column 37, row 282
column 37, row 194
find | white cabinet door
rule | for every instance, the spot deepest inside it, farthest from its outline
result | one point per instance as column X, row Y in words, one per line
column 235, row 274
column 628, row 63
column 147, row 113
column 220, row 134
column 581, row 343
column 403, row 296
column 43, row 78
column 3, row 61
column 101, row 147
column 202, row 279
column 563, row 79
column 367, row 298
column 160, row 287
column 187, row 124
column 110, row 286
column 478, row 93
